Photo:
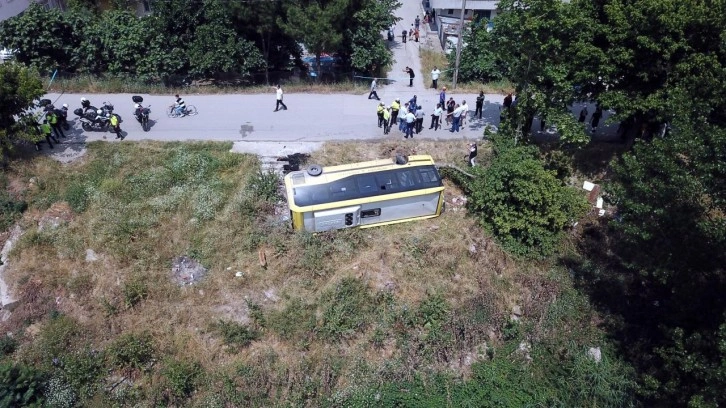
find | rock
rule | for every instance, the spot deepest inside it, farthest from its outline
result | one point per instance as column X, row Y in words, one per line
column 524, row 350
column 239, row 274
column 229, row 268
column 271, row 296
column 91, row 255
column 472, row 249
column 595, row 354
column 517, row 310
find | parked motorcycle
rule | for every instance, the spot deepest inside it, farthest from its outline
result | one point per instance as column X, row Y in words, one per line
column 141, row 113
column 92, row 120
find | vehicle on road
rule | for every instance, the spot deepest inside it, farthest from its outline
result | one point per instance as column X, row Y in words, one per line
column 365, row 194
column 141, row 113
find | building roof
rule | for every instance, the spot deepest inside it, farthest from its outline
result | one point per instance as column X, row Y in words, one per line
column 470, row 4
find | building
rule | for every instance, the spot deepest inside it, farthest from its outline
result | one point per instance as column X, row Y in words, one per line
column 447, row 15
column 11, row 8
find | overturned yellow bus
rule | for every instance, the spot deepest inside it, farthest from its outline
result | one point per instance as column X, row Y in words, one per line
column 366, row 194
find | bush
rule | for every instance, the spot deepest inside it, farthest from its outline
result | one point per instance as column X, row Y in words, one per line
column 21, row 386
column 76, row 196
column 131, row 351
column 10, row 209
column 8, row 345
column 83, row 371
column 182, row 378
column 525, row 206
column 135, row 290
column 346, row 309
column 235, row 333
column 296, row 320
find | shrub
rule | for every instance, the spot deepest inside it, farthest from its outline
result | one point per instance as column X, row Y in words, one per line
column 8, row 345
column 135, row 290
column 83, row 371
column 10, row 209
column 182, row 377
column 433, row 310
column 264, row 186
column 525, row 206
column 76, row 196
column 131, row 351
column 346, row 309
column 294, row 321
column 235, row 333
column 21, row 386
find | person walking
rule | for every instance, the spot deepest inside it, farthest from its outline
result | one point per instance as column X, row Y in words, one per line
column 596, row 118
column 374, row 87
column 395, row 107
column 410, row 123
column 479, row 104
column 411, row 76
column 435, row 117
column 279, row 95
column 435, row 78
column 419, row 119
column 54, row 122
column 403, row 36
column 386, row 120
column 379, row 112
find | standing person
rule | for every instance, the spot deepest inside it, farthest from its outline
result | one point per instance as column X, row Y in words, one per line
column 472, row 154
column 395, row 106
column 583, row 115
column 479, row 104
column 413, row 104
column 417, row 22
column 442, row 98
column 435, row 78
column 181, row 107
column 115, row 126
column 411, row 75
column 403, row 36
column 410, row 122
column 450, row 106
column 507, row 101
column 456, row 118
column 416, row 33
column 596, row 118
column 386, row 120
column 379, row 112
column 464, row 112
column 402, row 118
column 55, row 124
column 435, row 117
column 46, row 130
column 374, row 87
column 419, row 119
column 279, row 94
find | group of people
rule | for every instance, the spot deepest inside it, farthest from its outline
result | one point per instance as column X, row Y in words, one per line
column 413, row 32
column 47, row 124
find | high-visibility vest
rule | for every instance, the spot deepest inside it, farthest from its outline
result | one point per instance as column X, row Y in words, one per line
column 395, row 105
column 386, row 114
column 379, row 109
column 114, row 120
column 52, row 118
column 45, row 128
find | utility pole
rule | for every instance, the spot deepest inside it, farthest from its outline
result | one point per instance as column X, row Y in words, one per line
column 458, row 43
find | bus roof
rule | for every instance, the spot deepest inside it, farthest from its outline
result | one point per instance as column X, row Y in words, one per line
column 332, row 173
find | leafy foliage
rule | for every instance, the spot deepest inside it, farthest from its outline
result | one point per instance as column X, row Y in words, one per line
column 131, row 351
column 346, row 309
column 235, row 333
column 20, row 87
column 525, row 206
column 182, row 377
column 21, row 385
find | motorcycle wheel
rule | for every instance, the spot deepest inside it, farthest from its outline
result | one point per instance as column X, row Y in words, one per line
column 145, row 124
column 86, row 126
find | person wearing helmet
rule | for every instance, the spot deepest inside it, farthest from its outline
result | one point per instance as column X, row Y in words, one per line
column 85, row 104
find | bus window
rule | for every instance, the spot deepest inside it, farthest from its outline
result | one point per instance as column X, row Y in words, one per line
column 405, row 178
column 343, row 189
column 428, row 175
column 387, row 181
column 367, row 184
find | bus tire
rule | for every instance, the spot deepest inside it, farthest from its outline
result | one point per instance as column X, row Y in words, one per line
column 315, row 170
column 401, row 159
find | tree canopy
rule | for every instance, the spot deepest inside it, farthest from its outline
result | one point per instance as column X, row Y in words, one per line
column 20, row 88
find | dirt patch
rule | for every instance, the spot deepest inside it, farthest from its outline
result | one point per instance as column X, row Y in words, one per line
column 187, row 271
column 57, row 214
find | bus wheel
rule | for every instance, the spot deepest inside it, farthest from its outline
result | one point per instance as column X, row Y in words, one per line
column 401, row 159
column 315, row 170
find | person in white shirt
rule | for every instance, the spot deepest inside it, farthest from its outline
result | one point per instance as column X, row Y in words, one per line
column 456, row 115
column 435, row 117
column 465, row 111
column 374, row 88
column 279, row 99
column 402, row 118
column 410, row 121
column 435, row 77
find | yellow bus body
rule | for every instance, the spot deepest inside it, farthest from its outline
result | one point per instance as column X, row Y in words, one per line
column 365, row 194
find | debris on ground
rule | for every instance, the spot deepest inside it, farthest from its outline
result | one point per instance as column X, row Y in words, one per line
column 187, row 271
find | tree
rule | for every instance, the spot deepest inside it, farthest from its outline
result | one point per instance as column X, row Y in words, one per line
column 19, row 88
column 316, row 25
column 21, row 386
column 363, row 40
column 479, row 60
column 525, row 206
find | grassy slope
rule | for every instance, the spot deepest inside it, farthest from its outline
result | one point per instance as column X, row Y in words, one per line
column 330, row 318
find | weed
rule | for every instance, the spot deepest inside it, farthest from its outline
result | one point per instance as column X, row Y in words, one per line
column 346, row 310
column 131, row 351
column 316, row 249
column 10, row 210
column 135, row 290
column 264, row 186
column 256, row 314
column 59, row 394
column 8, row 345
column 58, row 336
column 236, row 334
column 109, row 309
column 182, row 377
column 295, row 321
column 433, row 310
column 83, row 371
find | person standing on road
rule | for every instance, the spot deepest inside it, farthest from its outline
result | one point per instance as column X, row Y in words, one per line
column 435, row 78
column 456, row 116
column 410, row 122
column 479, row 104
column 374, row 87
column 450, row 106
column 417, row 22
column 419, row 119
column 402, row 118
column 403, row 36
column 279, row 94
column 411, row 75
column 596, row 118
column 442, row 98
column 395, row 106
column 583, row 115
column 435, row 117
column 45, row 128
column 416, row 34
column 386, row 120
column 55, row 124
column 413, row 104
column 464, row 112
column 379, row 112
